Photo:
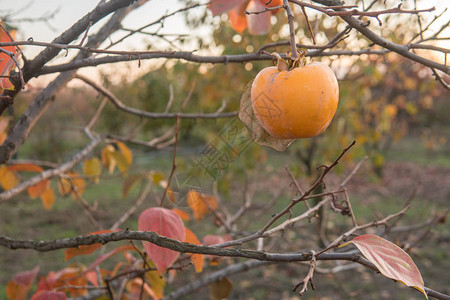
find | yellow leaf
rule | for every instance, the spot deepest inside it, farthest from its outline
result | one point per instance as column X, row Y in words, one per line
column 157, row 177
column 8, row 178
column 78, row 185
column 64, row 186
column 121, row 161
column 73, row 183
column 92, row 168
column 156, row 281
column 126, row 152
column 108, row 160
column 48, row 198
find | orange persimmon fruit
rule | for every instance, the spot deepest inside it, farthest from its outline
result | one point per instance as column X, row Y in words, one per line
column 299, row 102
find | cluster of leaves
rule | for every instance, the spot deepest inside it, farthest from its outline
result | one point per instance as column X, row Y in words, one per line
column 257, row 24
column 113, row 156
column 74, row 279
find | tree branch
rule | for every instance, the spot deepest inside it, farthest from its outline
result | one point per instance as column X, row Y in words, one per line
column 379, row 40
column 152, row 115
column 6, row 195
column 182, row 247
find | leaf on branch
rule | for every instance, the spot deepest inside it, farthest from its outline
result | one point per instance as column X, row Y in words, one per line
column 182, row 214
column 92, row 168
column 8, row 178
column 126, row 152
column 77, row 184
column 73, row 183
column 218, row 7
column 85, row 249
column 48, row 198
column 107, row 157
column 201, row 204
column 166, row 223
column 26, row 168
column 391, row 260
column 6, row 62
column 121, row 161
column 198, row 260
column 70, row 276
column 156, row 281
column 38, row 189
column 258, row 24
column 19, row 285
column 220, row 289
column 238, row 18
column 49, row 295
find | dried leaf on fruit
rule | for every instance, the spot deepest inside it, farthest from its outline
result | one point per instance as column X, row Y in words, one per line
column 257, row 132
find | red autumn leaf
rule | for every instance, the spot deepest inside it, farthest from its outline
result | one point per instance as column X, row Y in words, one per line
column 85, row 249
column 6, row 62
column 49, row 295
column 258, row 24
column 69, row 279
column 392, row 261
column 166, row 223
column 198, row 260
column 218, row 7
column 19, row 285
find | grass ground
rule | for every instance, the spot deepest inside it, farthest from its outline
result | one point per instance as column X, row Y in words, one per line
column 410, row 167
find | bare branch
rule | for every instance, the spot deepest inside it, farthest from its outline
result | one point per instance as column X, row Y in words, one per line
column 153, row 115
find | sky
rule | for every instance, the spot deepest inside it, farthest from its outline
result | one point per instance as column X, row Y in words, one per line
column 69, row 11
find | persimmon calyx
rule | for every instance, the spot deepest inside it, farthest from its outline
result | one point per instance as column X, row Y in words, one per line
column 289, row 63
